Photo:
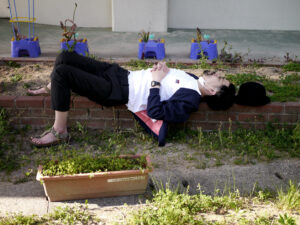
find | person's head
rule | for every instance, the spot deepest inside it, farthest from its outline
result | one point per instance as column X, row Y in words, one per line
column 219, row 93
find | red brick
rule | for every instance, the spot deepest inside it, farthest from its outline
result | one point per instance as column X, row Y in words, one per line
column 82, row 102
column 203, row 107
column 252, row 117
column 292, row 107
column 252, row 125
column 73, row 122
column 269, row 108
column 103, row 113
column 125, row 114
column 28, row 112
column 7, row 101
column 204, row 125
column 119, row 107
column 37, row 112
column 38, row 122
column 47, row 102
column 198, row 116
column 99, row 124
column 30, row 101
column 14, row 121
column 49, row 112
column 126, row 124
column 222, row 116
column 112, row 124
column 292, row 118
column 12, row 112
column 78, row 113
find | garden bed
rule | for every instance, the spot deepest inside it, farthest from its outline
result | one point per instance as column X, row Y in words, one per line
column 247, row 159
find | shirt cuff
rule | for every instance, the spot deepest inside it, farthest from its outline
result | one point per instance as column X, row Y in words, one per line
column 154, row 91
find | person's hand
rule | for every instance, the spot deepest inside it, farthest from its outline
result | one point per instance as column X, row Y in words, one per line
column 159, row 71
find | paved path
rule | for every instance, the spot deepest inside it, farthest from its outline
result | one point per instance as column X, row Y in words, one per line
column 29, row 197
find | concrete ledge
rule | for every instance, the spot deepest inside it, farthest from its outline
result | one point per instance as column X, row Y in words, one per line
column 36, row 111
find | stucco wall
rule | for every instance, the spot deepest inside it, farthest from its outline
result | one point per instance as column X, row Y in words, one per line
column 4, row 11
column 89, row 13
column 137, row 15
column 158, row 15
column 235, row 14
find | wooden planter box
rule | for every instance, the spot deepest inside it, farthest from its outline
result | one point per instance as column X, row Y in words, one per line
column 94, row 185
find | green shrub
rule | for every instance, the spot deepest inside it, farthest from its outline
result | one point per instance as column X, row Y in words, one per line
column 87, row 163
column 292, row 66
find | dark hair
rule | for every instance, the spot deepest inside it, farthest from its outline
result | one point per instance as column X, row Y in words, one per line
column 223, row 99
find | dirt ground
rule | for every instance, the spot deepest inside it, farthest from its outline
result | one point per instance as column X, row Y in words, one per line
column 15, row 81
column 169, row 163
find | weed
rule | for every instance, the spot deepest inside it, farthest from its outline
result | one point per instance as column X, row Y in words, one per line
column 227, row 56
column 87, row 163
column 289, row 200
column 77, row 214
column 26, row 85
column 139, row 64
column 144, row 36
column 172, row 207
column 15, row 78
column 286, row 89
column 13, row 64
column 286, row 220
column 292, row 66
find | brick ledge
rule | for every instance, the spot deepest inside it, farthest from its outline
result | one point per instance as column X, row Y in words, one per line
column 36, row 111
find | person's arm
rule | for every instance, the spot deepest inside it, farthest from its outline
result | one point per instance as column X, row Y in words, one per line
column 176, row 109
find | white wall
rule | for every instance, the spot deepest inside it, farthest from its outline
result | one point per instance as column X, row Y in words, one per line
column 158, row 15
column 235, row 14
column 4, row 11
column 137, row 15
column 89, row 13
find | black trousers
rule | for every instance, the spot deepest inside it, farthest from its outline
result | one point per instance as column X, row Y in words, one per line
column 84, row 76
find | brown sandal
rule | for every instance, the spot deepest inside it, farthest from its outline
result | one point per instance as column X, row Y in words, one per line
column 48, row 91
column 60, row 138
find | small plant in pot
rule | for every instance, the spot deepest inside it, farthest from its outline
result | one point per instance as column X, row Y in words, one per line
column 202, row 45
column 70, row 41
column 91, row 176
column 149, row 47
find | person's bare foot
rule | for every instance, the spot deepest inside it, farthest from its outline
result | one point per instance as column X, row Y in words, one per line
column 45, row 140
column 40, row 91
column 49, row 138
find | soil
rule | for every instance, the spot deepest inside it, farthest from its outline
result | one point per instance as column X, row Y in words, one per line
column 38, row 75
column 170, row 163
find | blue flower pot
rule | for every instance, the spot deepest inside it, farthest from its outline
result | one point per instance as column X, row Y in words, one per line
column 80, row 48
column 209, row 49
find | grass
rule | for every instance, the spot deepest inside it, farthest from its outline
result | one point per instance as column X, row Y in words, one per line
column 242, row 146
column 289, row 200
column 292, row 66
column 285, row 89
column 171, row 207
column 77, row 214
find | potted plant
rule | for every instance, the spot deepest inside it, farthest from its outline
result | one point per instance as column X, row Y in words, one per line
column 86, row 176
column 20, row 44
column 150, row 48
column 69, row 42
column 202, row 45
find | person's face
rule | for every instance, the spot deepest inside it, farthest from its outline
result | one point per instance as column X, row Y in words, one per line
column 214, row 82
